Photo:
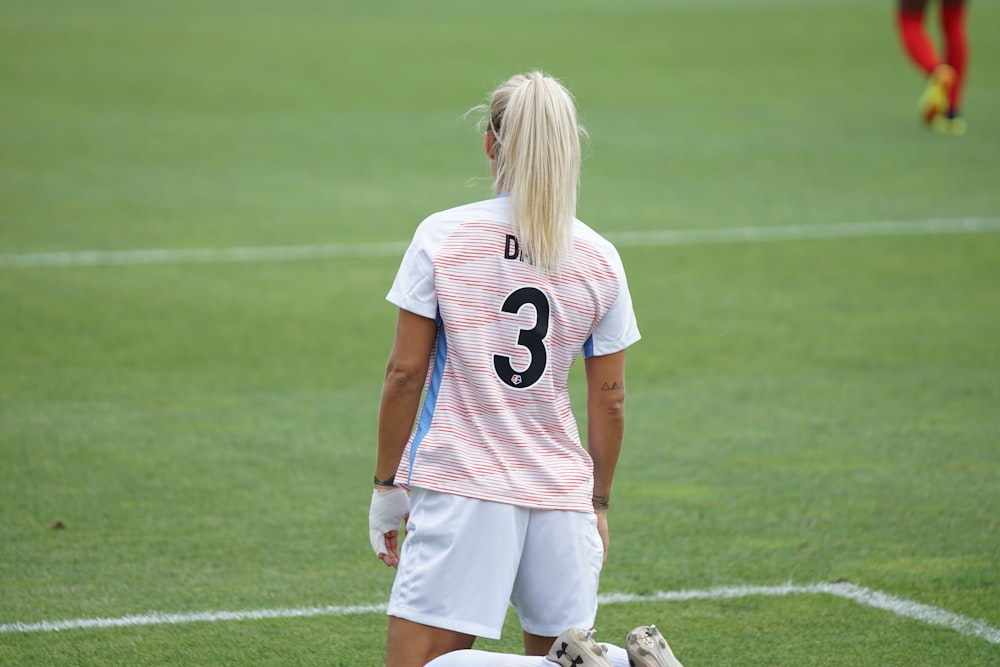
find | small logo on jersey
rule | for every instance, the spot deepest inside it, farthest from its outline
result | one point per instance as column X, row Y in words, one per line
column 516, row 380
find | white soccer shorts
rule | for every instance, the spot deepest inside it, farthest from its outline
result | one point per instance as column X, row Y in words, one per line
column 464, row 561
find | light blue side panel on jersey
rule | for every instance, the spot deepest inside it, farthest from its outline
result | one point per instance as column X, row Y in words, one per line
column 588, row 347
column 430, row 401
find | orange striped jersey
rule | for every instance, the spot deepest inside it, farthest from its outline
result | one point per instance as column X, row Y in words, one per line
column 496, row 422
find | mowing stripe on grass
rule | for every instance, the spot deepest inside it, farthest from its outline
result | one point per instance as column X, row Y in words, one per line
column 666, row 237
column 864, row 596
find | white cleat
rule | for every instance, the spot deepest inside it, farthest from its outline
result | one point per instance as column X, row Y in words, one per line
column 577, row 648
column 646, row 647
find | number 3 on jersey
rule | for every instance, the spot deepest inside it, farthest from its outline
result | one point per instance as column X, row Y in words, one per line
column 532, row 339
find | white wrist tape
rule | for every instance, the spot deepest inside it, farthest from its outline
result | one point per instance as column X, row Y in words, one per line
column 387, row 511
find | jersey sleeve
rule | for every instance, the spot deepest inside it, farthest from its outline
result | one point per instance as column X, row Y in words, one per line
column 618, row 328
column 413, row 289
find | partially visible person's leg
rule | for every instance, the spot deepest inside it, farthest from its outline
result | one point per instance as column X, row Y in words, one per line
column 558, row 576
column 916, row 41
column 474, row 658
column 572, row 648
column 956, row 49
column 646, row 647
column 537, row 644
column 939, row 103
column 457, row 567
column 414, row 644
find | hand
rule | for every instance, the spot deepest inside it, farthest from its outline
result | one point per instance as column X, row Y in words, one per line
column 602, row 530
column 388, row 509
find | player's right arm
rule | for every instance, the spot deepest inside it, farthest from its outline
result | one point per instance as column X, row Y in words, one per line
column 404, row 381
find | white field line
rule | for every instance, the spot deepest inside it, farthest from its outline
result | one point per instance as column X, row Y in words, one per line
column 842, row 230
column 907, row 608
column 863, row 596
column 289, row 253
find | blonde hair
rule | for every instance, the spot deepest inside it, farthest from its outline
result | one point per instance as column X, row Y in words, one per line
column 537, row 150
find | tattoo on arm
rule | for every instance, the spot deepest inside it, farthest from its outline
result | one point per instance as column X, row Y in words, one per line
column 613, row 386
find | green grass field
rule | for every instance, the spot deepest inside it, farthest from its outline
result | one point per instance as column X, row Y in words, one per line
column 800, row 412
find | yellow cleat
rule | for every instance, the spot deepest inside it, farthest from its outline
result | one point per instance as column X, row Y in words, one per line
column 951, row 126
column 934, row 100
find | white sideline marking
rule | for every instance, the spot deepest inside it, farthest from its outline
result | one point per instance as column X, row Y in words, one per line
column 835, row 230
column 202, row 255
column 667, row 237
column 160, row 618
column 864, row 596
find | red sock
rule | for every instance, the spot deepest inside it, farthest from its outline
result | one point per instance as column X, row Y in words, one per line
column 956, row 47
column 916, row 41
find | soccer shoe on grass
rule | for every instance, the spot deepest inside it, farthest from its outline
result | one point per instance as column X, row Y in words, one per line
column 951, row 125
column 577, row 648
column 646, row 647
column 934, row 100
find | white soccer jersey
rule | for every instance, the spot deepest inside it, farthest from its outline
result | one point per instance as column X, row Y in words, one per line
column 496, row 422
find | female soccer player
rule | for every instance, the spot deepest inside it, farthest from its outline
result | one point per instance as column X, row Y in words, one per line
column 939, row 105
column 496, row 300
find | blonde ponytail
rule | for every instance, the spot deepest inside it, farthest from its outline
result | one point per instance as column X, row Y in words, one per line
column 537, row 150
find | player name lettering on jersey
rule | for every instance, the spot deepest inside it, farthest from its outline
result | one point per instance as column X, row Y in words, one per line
column 512, row 248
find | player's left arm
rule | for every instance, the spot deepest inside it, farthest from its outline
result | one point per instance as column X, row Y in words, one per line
column 605, row 427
